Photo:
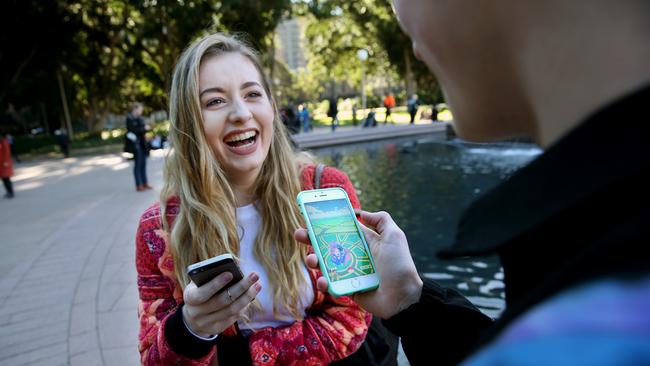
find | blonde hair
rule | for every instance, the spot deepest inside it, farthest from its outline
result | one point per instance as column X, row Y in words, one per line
column 206, row 224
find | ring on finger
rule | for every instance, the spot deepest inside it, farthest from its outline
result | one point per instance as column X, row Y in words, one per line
column 229, row 295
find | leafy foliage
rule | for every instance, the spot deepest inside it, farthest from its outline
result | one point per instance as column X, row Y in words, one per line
column 109, row 52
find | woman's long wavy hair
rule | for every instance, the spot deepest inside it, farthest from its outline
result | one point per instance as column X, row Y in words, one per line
column 206, row 224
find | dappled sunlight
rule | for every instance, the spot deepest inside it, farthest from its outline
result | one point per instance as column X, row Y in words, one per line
column 30, row 185
column 31, row 177
column 445, row 115
column 103, row 161
column 123, row 165
column 78, row 170
column 40, row 171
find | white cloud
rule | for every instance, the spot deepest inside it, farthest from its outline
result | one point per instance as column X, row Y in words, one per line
column 316, row 214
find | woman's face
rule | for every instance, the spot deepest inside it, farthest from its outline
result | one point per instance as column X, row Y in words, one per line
column 237, row 114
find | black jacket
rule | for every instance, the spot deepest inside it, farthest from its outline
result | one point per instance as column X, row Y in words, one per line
column 578, row 213
column 136, row 125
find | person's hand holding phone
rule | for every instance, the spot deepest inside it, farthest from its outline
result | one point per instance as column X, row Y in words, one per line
column 401, row 285
column 209, row 311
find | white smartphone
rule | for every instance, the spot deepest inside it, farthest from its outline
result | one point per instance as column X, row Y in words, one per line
column 204, row 271
column 343, row 254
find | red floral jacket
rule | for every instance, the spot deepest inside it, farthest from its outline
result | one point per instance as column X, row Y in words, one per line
column 333, row 329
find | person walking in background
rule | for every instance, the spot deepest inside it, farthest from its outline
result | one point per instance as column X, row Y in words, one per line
column 333, row 112
column 63, row 141
column 305, row 118
column 389, row 104
column 6, row 166
column 136, row 131
column 412, row 105
column 571, row 227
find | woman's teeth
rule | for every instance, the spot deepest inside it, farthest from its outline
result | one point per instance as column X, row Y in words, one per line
column 245, row 138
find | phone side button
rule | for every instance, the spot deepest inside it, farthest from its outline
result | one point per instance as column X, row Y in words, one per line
column 355, row 283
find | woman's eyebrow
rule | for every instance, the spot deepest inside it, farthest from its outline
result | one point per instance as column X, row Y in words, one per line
column 215, row 89
column 249, row 84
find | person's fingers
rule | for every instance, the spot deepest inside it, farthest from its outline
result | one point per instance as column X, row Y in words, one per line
column 235, row 291
column 194, row 295
column 321, row 284
column 301, row 236
column 241, row 302
column 312, row 261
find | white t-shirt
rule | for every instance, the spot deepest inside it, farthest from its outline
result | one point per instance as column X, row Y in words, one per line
column 249, row 223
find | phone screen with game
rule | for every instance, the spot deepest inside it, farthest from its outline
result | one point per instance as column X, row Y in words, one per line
column 335, row 234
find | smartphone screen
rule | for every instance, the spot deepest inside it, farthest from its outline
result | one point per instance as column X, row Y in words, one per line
column 338, row 239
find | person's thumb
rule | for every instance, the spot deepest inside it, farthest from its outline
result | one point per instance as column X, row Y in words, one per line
column 379, row 221
column 370, row 235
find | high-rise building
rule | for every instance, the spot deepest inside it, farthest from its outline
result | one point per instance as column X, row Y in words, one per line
column 290, row 35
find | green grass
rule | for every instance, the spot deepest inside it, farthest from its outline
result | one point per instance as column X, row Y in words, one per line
column 84, row 143
column 399, row 115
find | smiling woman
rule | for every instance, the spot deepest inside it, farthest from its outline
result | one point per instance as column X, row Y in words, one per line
column 237, row 116
column 230, row 187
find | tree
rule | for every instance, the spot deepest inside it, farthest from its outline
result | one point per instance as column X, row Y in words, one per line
column 33, row 35
column 380, row 30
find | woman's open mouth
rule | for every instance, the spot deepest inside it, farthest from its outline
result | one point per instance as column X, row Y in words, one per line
column 241, row 142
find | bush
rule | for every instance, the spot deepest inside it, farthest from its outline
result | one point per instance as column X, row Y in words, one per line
column 38, row 143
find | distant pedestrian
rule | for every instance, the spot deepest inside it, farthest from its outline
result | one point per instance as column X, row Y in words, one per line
column 6, row 166
column 434, row 113
column 305, row 118
column 412, row 106
column 370, row 120
column 389, row 104
column 12, row 147
column 333, row 112
column 63, row 141
column 292, row 119
column 136, row 130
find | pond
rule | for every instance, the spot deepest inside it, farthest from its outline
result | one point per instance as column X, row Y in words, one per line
column 425, row 184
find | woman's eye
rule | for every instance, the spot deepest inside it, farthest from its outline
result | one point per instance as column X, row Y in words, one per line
column 254, row 94
column 216, row 101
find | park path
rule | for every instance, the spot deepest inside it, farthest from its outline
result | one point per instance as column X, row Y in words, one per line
column 68, row 293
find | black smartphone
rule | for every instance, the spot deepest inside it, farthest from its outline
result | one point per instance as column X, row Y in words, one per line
column 204, row 271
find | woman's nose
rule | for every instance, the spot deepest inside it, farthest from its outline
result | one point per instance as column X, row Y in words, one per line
column 239, row 111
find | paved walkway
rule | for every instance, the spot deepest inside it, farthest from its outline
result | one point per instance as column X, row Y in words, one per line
column 68, row 293
column 323, row 136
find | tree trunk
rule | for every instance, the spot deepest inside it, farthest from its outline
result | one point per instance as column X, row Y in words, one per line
column 97, row 115
column 64, row 101
column 409, row 78
column 270, row 57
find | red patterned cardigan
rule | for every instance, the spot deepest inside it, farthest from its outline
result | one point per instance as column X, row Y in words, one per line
column 333, row 329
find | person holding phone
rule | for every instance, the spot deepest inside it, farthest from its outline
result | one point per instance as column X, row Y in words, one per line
column 571, row 227
column 230, row 185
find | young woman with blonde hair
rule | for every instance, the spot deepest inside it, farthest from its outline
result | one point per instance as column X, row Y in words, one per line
column 230, row 187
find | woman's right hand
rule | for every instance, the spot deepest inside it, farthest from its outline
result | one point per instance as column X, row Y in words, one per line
column 207, row 313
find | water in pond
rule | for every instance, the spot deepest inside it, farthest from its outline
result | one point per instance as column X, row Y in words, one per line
column 425, row 184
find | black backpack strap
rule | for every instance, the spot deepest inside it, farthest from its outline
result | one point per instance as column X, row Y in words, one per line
column 317, row 173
